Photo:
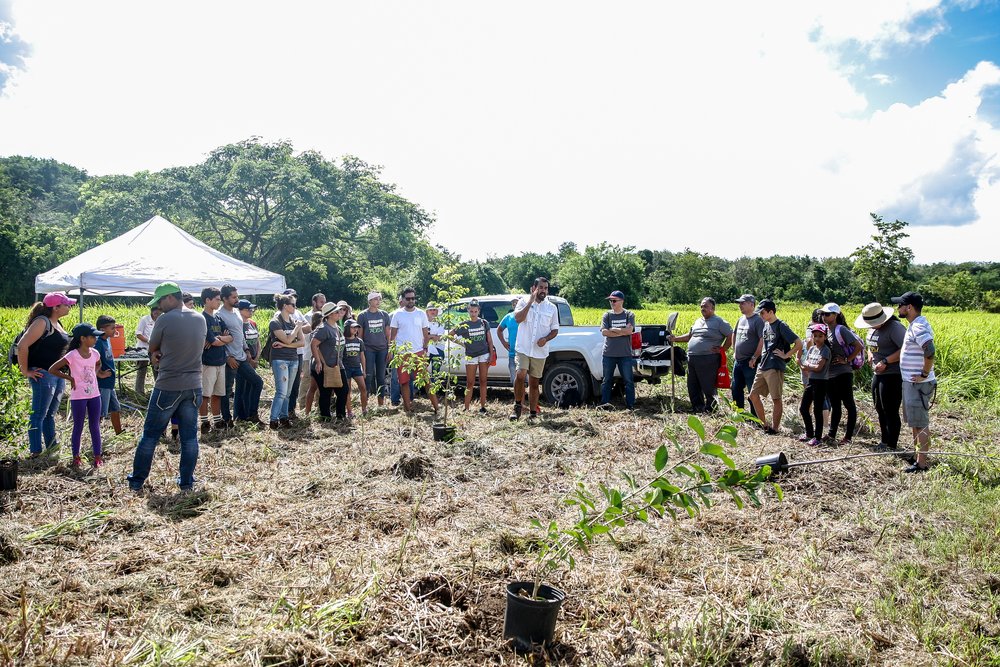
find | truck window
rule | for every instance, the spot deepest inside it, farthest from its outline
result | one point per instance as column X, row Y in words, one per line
column 565, row 315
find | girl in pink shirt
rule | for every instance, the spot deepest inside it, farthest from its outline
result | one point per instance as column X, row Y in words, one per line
column 84, row 365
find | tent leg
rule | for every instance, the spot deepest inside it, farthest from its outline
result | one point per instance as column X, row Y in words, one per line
column 81, row 299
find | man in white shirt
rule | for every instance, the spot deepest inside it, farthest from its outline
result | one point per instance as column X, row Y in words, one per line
column 537, row 323
column 142, row 333
column 409, row 326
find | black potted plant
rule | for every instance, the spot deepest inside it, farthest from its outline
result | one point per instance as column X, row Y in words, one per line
column 682, row 486
column 14, row 407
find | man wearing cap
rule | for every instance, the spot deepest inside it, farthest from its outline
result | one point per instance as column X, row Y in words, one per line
column 749, row 344
column 409, row 325
column 251, row 332
column 375, row 333
column 885, row 343
column 916, row 365
column 780, row 345
column 538, row 323
column 239, row 371
column 142, row 333
column 617, row 326
column 709, row 337
column 175, row 345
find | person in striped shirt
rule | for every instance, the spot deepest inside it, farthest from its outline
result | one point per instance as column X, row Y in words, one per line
column 916, row 364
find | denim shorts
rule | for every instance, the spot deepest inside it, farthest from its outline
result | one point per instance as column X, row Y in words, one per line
column 356, row 372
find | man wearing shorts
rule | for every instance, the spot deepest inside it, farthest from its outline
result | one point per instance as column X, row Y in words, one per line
column 780, row 345
column 409, row 325
column 213, row 360
column 538, row 323
column 916, row 364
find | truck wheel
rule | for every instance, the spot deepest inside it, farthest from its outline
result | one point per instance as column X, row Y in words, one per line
column 562, row 376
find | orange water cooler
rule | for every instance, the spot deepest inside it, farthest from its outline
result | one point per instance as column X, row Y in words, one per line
column 118, row 341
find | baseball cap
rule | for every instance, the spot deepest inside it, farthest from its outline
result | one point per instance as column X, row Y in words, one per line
column 816, row 326
column 244, row 304
column 351, row 323
column 474, row 302
column 747, row 297
column 831, row 308
column 767, row 304
column 907, row 299
column 162, row 290
column 53, row 299
column 290, row 292
column 617, row 294
column 85, row 329
column 374, row 295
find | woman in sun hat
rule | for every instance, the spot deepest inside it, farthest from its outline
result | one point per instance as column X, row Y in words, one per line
column 845, row 345
column 885, row 343
column 43, row 343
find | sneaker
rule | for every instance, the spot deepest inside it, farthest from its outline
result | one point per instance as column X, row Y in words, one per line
column 516, row 414
column 814, row 442
column 882, row 447
column 77, row 462
column 605, row 406
column 285, row 423
column 805, row 438
column 844, row 442
column 292, row 416
column 274, row 425
column 482, row 410
column 98, row 461
column 769, row 431
column 915, row 468
column 532, row 416
column 206, row 427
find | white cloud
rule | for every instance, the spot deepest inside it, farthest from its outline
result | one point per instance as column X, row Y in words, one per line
column 882, row 79
column 730, row 129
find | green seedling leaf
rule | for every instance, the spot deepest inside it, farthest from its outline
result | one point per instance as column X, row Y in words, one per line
column 712, row 449
column 684, row 470
column 660, row 460
column 665, row 486
column 727, row 437
column 695, row 424
column 536, row 524
column 778, row 491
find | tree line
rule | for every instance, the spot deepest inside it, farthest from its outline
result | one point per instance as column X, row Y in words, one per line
column 336, row 226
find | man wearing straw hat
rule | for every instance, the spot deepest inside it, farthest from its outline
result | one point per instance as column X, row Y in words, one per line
column 885, row 343
column 175, row 345
column 916, row 364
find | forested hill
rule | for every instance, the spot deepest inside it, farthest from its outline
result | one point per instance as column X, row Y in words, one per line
column 336, row 226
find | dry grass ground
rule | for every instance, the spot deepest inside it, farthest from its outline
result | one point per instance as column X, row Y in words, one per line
column 323, row 546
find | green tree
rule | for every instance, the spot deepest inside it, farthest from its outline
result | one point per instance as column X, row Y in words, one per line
column 587, row 279
column 959, row 290
column 882, row 266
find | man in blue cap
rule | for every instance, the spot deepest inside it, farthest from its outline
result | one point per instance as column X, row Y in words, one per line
column 617, row 326
column 175, row 346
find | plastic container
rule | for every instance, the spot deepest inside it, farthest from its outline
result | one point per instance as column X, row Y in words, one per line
column 8, row 474
column 778, row 462
column 118, row 341
column 443, row 433
column 531, row 621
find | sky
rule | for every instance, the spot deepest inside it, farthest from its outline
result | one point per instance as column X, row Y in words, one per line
column 729, row 128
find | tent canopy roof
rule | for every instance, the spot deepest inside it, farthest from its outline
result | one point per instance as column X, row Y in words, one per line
column 156, row 251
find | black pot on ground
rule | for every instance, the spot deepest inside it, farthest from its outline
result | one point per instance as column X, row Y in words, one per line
column 778, row 462
column 8, row 474
column 445, row 432
column 531, row 621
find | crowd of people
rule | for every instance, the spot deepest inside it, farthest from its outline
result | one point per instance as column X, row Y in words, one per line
column 205, row 364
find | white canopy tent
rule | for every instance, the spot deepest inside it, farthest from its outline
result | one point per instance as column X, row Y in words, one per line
column 156, row 251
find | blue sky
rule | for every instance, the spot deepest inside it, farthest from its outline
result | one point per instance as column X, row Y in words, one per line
column 649, row 123
column 963, row 36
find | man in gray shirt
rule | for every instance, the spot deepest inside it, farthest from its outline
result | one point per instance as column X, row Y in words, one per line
column 239, row 370
column 709, row 337
column 175, row 345
column 747, row 349
column 617, row 326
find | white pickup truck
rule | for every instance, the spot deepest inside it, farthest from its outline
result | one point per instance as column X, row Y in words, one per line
column 575, row 355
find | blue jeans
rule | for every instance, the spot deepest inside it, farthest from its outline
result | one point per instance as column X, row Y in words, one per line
column 624, row 366
column 395, row 393
column 375, row 371
column 246, row 400
column 282, row 370
column 295, row 380
column 109, row 401
column 162, row 406
column 512, row 367
column 743, row 377
column 46, row 393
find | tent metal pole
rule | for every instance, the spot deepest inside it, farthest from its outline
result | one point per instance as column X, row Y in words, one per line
column 81, row 298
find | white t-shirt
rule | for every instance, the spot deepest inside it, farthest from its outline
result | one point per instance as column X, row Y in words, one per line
column 542, row 319
column 437, row 329
column 145, row 327
column 299, row 318
column 410, row 325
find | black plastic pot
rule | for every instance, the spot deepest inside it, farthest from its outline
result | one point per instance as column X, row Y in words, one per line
column 8, row 475
column 444, row 432
column 531, row 621
column 778, row 462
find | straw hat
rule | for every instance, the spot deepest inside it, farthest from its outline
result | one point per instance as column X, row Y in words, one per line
column 873, row 315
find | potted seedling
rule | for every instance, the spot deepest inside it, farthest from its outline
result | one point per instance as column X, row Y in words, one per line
column 679, row 485
column 13, row 422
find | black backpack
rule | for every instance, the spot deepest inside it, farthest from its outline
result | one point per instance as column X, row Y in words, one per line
column 12, row 353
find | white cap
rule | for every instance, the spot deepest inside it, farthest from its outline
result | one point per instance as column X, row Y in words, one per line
column 374, row 295
column 831, row 308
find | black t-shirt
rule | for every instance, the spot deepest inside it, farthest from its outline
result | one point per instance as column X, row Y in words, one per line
column 476, row 333
column 213, row 356
column 353, row 349
column 282, row 353
column 777, row 336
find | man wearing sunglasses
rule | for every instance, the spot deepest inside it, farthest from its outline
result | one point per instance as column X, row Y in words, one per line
column 410, row 330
